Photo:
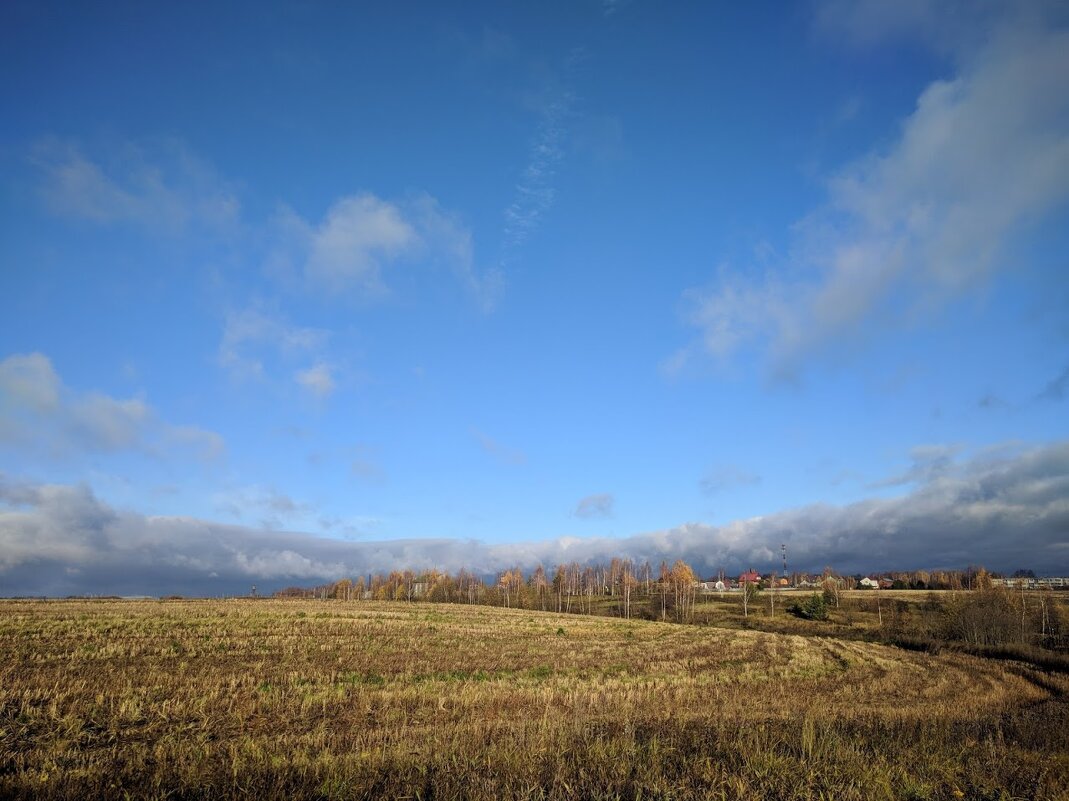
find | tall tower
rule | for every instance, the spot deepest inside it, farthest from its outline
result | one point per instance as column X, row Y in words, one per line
column 783, row 549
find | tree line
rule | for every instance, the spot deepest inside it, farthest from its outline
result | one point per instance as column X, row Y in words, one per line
column 981, row 614
column 667, row 592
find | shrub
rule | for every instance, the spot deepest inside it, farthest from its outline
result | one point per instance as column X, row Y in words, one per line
column 987, row 616
column 815, row 607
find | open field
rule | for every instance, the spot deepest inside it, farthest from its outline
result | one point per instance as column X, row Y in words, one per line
column 279, row 699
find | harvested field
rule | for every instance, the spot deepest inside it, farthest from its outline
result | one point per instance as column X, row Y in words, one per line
column 280, row 699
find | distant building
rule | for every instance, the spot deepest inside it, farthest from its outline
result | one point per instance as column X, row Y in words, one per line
column 1028, row 583
column 750, row 577
column 869, row 584
column 712, row 586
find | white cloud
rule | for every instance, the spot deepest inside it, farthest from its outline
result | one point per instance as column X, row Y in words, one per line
column 160, row 186
column 610, row 7
column 448, row 240
column 208, row 445
column 362, row 237
column 264, row 506
column 535, row 191
column 502, row 453
column 104, row 423
column 318, row 380
column 726, row 477
column 358, row 234
column 253, row 337
column 867, row 22
column 28, row 380
column 929, row 463
column 984, row 154
column 39, row 414
column 599, row 505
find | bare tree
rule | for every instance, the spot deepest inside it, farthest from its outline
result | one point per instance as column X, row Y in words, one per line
column 627, row 585
column 683, row 580
column 560, row 578
column 663, row 578
column 539, row 584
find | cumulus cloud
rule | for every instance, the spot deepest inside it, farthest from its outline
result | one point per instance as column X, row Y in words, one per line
column 39, row 414
column 162, row 187
column 28, row 381
column 905, row 230
column 362, row 236
column 359, row 233
column 255, row 340
column 1004, row 508
column 599, row 505
column 159, row 186
column 317, row 379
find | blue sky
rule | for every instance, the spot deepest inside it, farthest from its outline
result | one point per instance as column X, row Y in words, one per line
column 508, row 276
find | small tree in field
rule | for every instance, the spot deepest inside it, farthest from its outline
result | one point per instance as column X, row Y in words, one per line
column 683, row 581
column 750, row 591
column 815, row 607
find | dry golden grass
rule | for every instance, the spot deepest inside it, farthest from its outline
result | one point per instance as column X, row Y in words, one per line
column 280, row 699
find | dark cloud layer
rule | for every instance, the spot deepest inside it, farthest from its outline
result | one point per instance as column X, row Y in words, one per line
column 1004, row 509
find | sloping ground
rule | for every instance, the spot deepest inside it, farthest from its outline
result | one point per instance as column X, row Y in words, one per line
column 334, row 700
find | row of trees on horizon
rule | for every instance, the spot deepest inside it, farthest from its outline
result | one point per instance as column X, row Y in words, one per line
column 670, row 589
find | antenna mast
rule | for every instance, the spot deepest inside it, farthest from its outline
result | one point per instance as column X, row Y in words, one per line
column 783, row 548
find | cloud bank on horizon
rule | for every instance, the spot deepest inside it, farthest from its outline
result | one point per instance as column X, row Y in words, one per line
column 990, row 509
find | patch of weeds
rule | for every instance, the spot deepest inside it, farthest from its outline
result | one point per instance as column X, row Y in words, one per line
column 356, row 677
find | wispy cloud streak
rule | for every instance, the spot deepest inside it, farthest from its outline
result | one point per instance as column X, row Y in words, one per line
column 535, row 191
